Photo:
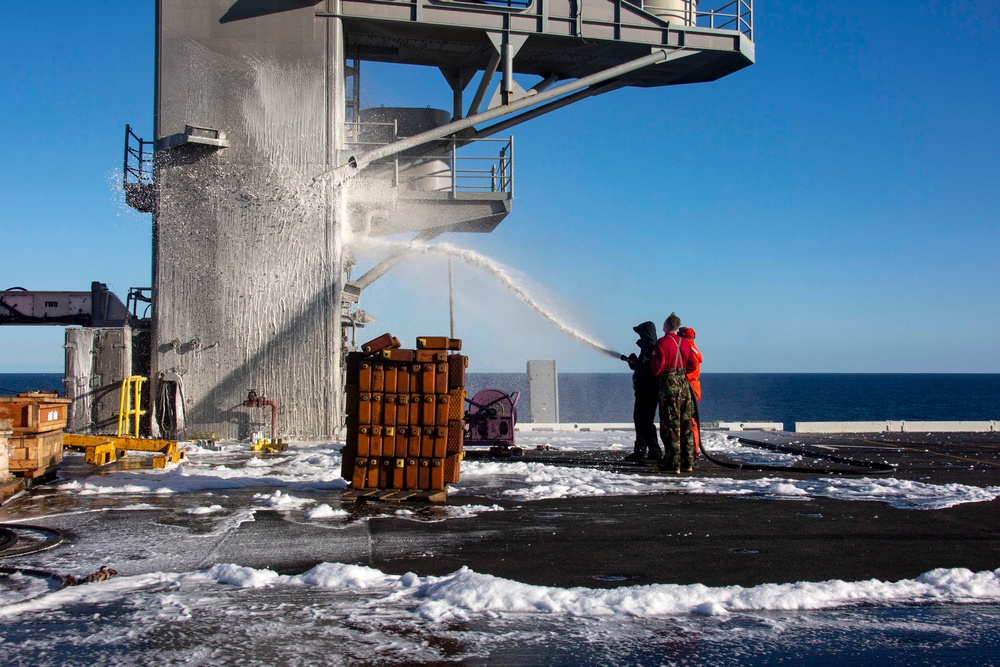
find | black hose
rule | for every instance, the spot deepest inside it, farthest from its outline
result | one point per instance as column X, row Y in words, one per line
column 54, row 536
column 871, row 468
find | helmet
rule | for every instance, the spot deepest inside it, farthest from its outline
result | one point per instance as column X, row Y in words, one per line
column 686, row 332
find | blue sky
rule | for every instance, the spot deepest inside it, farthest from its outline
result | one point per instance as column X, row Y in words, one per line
column 831, row 209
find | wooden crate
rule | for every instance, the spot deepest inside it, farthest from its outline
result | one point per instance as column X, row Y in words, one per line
column 34, row 412
column 35, row 455
column 5, row 434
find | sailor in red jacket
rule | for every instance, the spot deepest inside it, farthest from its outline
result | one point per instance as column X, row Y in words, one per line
column 672, row 360
column 694, row 379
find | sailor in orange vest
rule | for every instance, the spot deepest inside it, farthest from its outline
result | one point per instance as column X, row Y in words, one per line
column 694, row 379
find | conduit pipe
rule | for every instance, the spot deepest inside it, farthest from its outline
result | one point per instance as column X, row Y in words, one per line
column 255, row 401
column 356, row 163
column 544, row 109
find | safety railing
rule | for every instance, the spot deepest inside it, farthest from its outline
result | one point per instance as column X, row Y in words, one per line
column 508, row 4
column 455, row 165
column 734, row 15
column 717, row 14
column 137, row 172
column 138, row 163
column 129, row 406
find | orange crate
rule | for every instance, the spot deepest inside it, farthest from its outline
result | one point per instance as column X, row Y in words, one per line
column 452, row 466
column 378, row 378
column 383, row 342
column 440, row 440
column 359, row 478
column 457, row 364
column 438, row 343
column 456, row 436
column 430, row 356
column 442, row 410
column 456, row 404
column 397, row 355
column 441, row 379
column 391, row 373
column 423, row 474
column 398, row 477
column 348, row 457
column 437, row 474
column 410, row 474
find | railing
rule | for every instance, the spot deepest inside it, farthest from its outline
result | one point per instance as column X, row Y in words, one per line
column 138, row 164
column 137, row 172
column 717, row 14
column 734, row 15
column 456, row 165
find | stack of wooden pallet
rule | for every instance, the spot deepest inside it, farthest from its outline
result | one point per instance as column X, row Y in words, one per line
column 5, row 434
column 404, row 414
column 37, row 421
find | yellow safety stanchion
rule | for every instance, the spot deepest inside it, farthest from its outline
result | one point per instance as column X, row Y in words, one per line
column 129, row 403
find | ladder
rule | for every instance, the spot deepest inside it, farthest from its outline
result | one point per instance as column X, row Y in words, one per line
column 129, row 406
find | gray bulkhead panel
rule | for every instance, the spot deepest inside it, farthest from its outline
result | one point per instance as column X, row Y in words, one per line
column 247, row 262
column 97, row 360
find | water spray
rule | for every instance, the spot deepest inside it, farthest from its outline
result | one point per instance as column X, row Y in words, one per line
column 502, row 274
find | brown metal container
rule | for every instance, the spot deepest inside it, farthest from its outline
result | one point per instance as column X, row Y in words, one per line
column 348, row 457
column 442, row 410
column 378, row 378
column 375, row 446
column 413, row 441
column 441, row 379
column 430, row 356
column 456, row 405
column 385, row 341
column 402, row 409
column 456, row 436
column 397, row 355
column 391, row 373
column 364, row 441
column 438, row 343
column 359, row 479
column 440, row 439
column 452, row 466
column 457, row 364
column 389, row 410
column 410, row 474
column 437, row 474
column 364, row 377
column 373, row 467
column 398, row 477
column 427, row 443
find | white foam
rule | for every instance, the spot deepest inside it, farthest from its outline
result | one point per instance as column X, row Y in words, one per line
column 466, row 594
column 316, row 466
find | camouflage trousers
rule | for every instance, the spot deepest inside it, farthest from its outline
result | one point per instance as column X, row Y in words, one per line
column 676, row 413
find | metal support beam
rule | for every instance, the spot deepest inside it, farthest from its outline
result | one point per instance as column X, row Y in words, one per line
column 484, row 84
column 356, row 163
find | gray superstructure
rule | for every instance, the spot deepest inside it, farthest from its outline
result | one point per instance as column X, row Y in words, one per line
column 266, row 161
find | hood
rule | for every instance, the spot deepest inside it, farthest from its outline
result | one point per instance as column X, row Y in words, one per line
column 646, row 331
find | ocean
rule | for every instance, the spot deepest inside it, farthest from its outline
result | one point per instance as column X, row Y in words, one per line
column 773, row 397
column 776, row 397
